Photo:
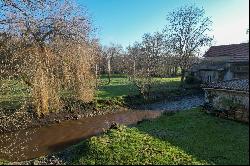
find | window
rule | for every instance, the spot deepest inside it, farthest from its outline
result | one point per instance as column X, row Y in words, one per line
column 209, row 78
column 241, row 68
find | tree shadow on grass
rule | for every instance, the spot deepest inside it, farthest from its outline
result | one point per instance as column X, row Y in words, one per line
column 208, row 138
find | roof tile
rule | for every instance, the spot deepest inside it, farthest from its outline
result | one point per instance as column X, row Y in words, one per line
column 229, row 50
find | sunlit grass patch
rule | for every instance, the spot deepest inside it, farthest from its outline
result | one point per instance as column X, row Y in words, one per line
column 130, row 146
column 117, row 87
column 121, row 86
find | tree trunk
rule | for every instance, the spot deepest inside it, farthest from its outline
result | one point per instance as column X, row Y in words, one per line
column 182, row 75
column 26, row 81
column 169, row 71
column 134, row 68
column 175, row 71
column 96, row 74
column 109, row 71
column 96, row 70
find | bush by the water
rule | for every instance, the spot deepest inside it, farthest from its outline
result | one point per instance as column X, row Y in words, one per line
column 190, row 79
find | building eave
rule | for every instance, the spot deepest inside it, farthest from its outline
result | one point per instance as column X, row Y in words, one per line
column 228, row 90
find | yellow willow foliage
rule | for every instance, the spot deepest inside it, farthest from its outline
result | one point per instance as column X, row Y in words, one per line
column 84, row 81
column 40, row 92
column 45, row 93
column 38, row 68
column 77, row 74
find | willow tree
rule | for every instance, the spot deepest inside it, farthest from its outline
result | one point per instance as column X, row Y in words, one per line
column 187, row 32
column 53, row 49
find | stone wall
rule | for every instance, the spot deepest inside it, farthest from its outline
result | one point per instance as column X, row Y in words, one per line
column 233, row 104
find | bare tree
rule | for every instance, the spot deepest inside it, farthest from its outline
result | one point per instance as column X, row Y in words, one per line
column 109, row 53
column 146, row 57
column 186, row 33
column 153, row 49
column 133, row 54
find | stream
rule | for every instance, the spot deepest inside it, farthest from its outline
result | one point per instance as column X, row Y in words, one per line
column 33, row 143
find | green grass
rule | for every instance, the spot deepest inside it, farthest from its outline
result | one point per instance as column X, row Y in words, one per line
column 121, row 86
column 118, row 87
column 129, row 146
column 189, row 137
column 209, row 138
column 13, row 93
column 3, row 162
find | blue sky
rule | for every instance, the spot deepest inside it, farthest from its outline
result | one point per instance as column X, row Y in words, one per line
column 125, row 21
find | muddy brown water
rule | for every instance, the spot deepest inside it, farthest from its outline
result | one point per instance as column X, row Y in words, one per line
column 33, row 143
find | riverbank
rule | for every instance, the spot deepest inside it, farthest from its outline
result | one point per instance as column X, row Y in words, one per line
column 24, row 119
column 186, row 137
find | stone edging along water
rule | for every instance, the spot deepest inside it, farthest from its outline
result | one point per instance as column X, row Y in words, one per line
column 184, row 103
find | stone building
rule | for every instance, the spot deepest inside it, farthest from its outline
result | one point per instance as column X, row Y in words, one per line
column 229, row 96
column 222, row 63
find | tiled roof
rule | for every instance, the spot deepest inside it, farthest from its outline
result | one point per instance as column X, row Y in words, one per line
column 234, row 50
column 239, row 85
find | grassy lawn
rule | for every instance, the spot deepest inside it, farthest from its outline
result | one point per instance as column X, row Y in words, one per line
column 190, row 137
column 121, row 86
column 215, row 140
column 14, row 92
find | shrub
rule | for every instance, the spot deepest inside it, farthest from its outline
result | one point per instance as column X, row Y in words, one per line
column 190, row 79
